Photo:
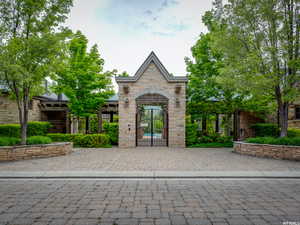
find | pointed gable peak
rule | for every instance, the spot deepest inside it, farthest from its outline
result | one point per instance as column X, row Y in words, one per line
column 152, row 58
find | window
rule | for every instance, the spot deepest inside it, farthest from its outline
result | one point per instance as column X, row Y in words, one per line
column 297, row 112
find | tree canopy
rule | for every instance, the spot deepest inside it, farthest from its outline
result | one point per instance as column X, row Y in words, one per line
column 259, row 40
column 30, row 43
column 82, row 79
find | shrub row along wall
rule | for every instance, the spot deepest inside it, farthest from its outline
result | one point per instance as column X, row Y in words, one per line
column 11, row 153
column 268, row 151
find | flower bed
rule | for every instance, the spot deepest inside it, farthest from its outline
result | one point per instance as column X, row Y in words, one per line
column 12, row 153
column 268, row 151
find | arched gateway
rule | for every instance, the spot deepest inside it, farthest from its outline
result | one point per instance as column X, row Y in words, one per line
column 152, row 107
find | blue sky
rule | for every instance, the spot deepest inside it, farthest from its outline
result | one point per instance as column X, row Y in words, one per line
column 126, row 31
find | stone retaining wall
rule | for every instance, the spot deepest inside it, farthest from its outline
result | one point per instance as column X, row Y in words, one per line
column 12, row 153
column 268, row 151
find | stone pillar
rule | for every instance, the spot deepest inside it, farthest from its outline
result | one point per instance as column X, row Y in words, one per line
column 74, row 127
column 127, row 117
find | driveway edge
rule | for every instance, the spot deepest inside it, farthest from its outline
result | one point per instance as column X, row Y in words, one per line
column 148, row 174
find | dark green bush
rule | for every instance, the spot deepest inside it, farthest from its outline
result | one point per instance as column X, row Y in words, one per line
column 205, row 139
column 82, row 140
column 58, row 137
column 265, row 130
column 112, row 130
column 293, row 132
column 275, row 141
column 224, row 139
column 93, row 141
column 38, row 128
column 35, row 140
column 191, row 133
column 34, row 129
column 213, row 145
column 9, row 141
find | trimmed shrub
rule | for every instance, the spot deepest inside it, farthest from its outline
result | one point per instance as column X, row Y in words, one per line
column 93, row 140
column 191, row 133
column 205, row 139
column 265, row 130
column 224, row 139
column 213, row 145
column 112, row 130
column 9, row 141
column 38, row 128
column 275, row 141
column 35, row 140
column 293, row 132
column 82, row 140
column 34, row 129
column 10, row 130
column 58, row 137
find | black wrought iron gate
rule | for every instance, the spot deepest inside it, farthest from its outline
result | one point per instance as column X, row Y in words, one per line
column 152, row 126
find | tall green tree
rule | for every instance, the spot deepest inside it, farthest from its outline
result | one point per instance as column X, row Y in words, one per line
column 82, row 78
column 206, row 95
column 30, row 43
column 260, row 43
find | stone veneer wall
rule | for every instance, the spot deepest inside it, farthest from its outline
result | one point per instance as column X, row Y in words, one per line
column 152, row 81
column 12, row 153
column 247, row 119
column 9, row 111
column 293, row 122
column 268, row 151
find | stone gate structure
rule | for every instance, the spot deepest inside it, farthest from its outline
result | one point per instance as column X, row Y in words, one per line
column 152, row 106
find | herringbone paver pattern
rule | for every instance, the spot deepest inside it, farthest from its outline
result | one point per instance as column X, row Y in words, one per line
column 145, row 202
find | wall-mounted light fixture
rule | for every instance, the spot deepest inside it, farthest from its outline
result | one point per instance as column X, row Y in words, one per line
column 126, row 102
column 126, row 89
column 177, row 89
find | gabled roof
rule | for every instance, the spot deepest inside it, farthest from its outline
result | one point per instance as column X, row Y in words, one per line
column 152, row 58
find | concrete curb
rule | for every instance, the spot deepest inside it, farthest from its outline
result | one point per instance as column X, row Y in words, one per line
column 150, row 174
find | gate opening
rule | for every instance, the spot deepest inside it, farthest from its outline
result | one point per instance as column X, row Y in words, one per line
column 152, row 120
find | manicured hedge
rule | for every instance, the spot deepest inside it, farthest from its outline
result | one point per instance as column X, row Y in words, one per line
column 34, row 129
column 293, row 132
column 9, row 141
column 213, row 145
column 275, row 141
column 272, row 130
column 112, row 130
column 191, row 134
column 58, row 137
column 193, row 138
column 265, row 130
column 35, row 140
column 93, row 141
column 82, row 140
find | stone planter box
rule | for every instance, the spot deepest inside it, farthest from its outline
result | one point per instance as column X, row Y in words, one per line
column 12, row 153
column 268, row 151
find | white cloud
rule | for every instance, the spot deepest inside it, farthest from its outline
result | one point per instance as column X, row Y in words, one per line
column 128, row 30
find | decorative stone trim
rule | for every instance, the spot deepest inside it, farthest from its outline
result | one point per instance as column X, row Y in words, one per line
column 12, row 153
column 268, row 151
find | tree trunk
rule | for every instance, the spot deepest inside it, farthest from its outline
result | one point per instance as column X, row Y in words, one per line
column 204, row 125
column 23, row 133
column 283, row 118
column 217, row 123
column 87, row 124
column 283, row 111
column 23, row 103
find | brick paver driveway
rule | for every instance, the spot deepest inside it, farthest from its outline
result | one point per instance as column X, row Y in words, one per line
column 152, row 159
column 145, row 202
